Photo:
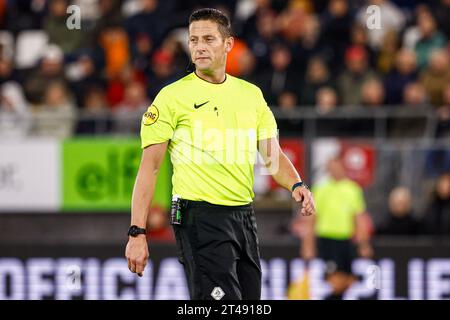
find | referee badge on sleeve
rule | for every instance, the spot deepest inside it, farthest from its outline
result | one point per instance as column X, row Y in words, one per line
column 150, row 116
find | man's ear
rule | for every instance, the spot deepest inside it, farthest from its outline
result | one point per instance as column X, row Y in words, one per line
column 229, row 43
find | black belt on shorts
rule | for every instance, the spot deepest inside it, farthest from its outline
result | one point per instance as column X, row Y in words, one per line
column 187, row 204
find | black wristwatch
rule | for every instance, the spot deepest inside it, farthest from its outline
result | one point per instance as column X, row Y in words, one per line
column 299, row 184
column 134, row 231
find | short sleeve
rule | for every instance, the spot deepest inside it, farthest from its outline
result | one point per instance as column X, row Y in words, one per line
column 267, row 126
column 158, row 122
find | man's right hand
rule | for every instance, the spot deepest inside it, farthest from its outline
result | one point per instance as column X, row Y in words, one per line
column 137, row 254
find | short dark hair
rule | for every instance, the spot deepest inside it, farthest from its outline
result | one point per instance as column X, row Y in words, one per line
column 216, row 16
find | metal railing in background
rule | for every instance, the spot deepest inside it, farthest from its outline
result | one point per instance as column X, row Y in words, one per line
column 370, row 122
column 380, row 123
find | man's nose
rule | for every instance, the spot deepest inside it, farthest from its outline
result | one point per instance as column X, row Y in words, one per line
column 201, row 45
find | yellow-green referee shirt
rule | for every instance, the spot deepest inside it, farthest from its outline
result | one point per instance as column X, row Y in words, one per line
column 337, row 204
column 213, row 131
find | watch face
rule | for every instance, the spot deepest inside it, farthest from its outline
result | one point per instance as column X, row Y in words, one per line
column 132, row 232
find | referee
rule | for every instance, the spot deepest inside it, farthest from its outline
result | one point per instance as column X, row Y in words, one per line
column 338, row 225
column 213, row 126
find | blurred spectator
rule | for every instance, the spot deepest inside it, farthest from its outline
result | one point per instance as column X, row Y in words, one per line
column 403, row 74
column 292, row 22
column 15, row 120
column 310, row 44
column 430, row 39
column 180, row 55
column 391, row 18
column 280, row 77
column 388, row 49
column 109, row 15
column 249, row 25
column 134, row 104
column 6, row 45
column 55, row 117
column 357, row 72
column 142, row 53
column 442, row 11
column 287, row 101
column 400, row 220
column 414, row 95
column 317, row 76
column 437, row 215
column 49, row 69
column 109, row 12
column 115, row 90
column 326, row 100
column 412, row 34
column 405, row 125
column 149, row 20
column 6, row 69
column 436, row 76
column 163, row 72
column 135, row 98
column 336, row 23
column 2, row 13
column 95, row 114
column 114, row 42
column 82, row 74
column 443, row 113
column 240, row 60
column 247, row 66
column 359, row 38
column 143, row 63
column 261, row 40
column 372, row 93
column 56, row 27
column 24, row 15
column 14, row 116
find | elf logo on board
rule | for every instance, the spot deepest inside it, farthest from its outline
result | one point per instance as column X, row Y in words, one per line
column 217, row 293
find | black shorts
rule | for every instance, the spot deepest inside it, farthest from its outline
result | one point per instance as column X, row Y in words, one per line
column 218, row 247
column 337, row 254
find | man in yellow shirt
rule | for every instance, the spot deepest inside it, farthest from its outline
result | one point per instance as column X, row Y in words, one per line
column 213, row 126
column 339, row 221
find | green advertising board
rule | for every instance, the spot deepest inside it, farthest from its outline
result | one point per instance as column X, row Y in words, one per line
column 98, row 175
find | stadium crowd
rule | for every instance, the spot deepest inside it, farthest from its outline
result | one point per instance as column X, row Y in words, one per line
column 319, row 54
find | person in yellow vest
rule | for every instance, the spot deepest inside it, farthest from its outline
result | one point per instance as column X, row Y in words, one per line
column 213, row 126
column 338, row 225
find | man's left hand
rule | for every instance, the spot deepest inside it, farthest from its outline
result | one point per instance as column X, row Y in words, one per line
column 303, row 195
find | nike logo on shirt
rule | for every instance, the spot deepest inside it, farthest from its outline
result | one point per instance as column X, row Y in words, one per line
column 196, row 106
